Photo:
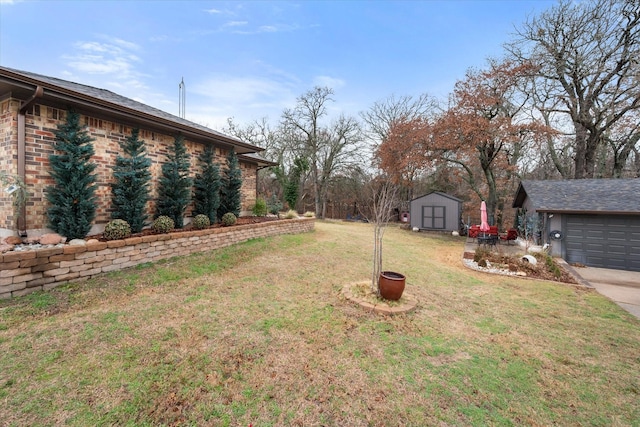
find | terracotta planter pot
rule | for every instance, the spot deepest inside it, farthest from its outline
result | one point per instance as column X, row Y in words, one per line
column 391, row 285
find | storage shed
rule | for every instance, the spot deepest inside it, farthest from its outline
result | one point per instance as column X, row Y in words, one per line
column 436, row 211
column 594, row 222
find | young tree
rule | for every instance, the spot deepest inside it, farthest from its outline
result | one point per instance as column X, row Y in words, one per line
column 174, row 189
column 206, row 193
column 230, row 196
column 131, row 187
column 72, row 198
column 382, row 203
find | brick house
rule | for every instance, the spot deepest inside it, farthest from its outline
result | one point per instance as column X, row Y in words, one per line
column 31, row 106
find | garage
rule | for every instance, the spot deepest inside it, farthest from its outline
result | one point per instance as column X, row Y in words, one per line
column 592, row 222
column 603, row 241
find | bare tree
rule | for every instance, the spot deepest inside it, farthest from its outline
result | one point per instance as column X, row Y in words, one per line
column 622, row 142
column 587, row 59
column 383, row 114
column 328, row 148
column 271, row 180
column 383, row 200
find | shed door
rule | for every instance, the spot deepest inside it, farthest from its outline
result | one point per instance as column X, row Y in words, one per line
column 433, row 217
column 605, row 241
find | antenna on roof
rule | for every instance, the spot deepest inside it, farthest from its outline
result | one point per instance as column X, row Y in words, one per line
column 182, row 99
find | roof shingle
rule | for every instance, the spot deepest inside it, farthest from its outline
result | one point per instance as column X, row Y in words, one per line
column 582, row 195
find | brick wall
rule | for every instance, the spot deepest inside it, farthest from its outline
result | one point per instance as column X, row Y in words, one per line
column 41, row 122
column 8, row 156
column 28, row 271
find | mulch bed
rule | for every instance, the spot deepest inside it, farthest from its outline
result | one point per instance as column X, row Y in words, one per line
column 243, row 220
column 543, row 269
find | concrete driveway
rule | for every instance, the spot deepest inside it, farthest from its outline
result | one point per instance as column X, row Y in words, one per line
column 622, row 287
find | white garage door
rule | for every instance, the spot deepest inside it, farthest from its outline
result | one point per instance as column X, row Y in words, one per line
column 605, row 241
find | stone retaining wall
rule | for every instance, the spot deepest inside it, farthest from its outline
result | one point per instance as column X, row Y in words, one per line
column 22, row 272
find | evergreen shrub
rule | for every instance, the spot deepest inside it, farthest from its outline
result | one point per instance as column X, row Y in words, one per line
column 163, row 224
column 174, row 190
column 260, row 208
column 130, row 189
column 228, row 219
column 117, row 229
column 72, row 197
column 201, row 221
column 231, row 184
column 206, row 186
column 274, row 205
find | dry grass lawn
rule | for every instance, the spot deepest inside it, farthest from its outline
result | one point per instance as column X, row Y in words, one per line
column 258, row 334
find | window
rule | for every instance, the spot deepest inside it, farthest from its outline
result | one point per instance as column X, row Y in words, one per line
column 54, row 113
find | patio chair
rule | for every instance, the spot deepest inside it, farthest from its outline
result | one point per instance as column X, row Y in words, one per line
column 510, row 235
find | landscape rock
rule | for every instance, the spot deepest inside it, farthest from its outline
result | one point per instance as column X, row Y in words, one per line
column 92, row 241
column 50, row 239
column 5, row 248
column 13, row 240
column 78, row 242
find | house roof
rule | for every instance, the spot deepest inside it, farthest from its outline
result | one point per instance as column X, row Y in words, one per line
column 258, row 159
column 617, row 196
column 449, row 196
column 23, row 84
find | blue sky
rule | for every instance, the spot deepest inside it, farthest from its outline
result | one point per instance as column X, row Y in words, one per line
column 252, row 59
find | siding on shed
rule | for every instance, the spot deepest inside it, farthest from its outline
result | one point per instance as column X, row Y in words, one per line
column 445, row 208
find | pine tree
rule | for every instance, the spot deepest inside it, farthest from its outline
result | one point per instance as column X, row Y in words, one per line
column 292, row 186
column 174, row 190
column 206, row 194
column 231, row 184
column 72, row 198
column 132, row 179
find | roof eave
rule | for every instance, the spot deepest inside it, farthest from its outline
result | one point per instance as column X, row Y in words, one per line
column 64, row 94
column 585, row 212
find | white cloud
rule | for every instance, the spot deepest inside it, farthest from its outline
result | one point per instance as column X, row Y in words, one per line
column 110, row 63
column 330, row 82
column 268, row 29
column 231, row 24
column 241, row 90
column 245, row 98
column 104, row 58
column 124, row 44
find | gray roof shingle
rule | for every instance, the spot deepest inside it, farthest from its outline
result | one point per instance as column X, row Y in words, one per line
column 116, row 100
column 582, row 195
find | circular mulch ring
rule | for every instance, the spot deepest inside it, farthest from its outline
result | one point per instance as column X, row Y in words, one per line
column 405, row 304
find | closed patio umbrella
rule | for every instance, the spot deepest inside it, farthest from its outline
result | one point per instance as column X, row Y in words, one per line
column 484, row 225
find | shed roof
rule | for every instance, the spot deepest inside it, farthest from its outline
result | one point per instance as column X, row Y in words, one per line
column 22, row 84
column 618, row 196
column 449, row 196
